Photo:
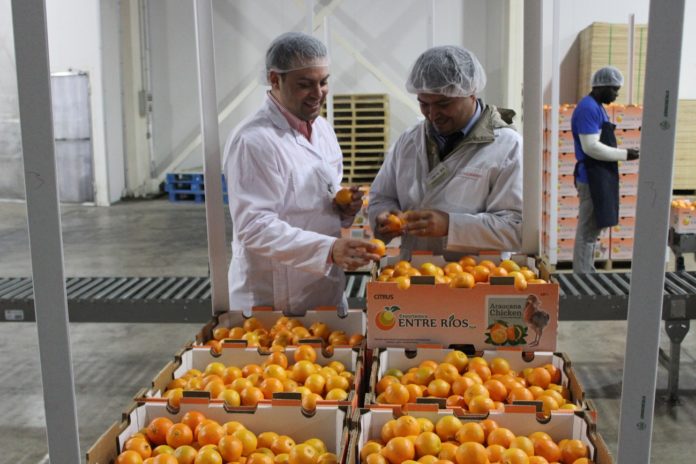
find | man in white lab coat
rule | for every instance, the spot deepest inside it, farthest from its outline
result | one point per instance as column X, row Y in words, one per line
column 455, row 178
column 283, row 166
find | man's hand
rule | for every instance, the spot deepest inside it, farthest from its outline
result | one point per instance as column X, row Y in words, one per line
column 633, row 154
column 351, row 209
column 389, row 224
column 351, row 254
column 427, row 223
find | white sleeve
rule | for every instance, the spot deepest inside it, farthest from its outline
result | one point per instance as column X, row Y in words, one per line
column 599, row 151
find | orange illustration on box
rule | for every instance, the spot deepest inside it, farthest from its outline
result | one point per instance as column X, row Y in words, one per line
column 385, row 320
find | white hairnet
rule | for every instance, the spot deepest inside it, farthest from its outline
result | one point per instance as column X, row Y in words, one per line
column 608, row 76
column 295, row 50
column 447, row 70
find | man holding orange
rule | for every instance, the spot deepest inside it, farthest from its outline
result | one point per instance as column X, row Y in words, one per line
column 284, row 166
column 454, row 180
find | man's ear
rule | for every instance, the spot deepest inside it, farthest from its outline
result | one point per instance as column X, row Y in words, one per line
column 274, row 79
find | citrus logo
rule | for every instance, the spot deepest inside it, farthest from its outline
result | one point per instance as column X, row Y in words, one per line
column 386, row 319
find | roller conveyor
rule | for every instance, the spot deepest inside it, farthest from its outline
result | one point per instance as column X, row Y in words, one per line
column 604, row 296
column 135, row 299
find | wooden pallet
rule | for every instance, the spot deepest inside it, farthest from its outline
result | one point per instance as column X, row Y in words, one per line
column 361, row 123
column 600, row 265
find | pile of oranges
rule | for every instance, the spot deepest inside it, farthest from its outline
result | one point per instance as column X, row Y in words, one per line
column 450, row 440
column 199, row 440
column 684, row 204
column 248, row 385
column 285, row 331
column 465, row 273
column 474, row 384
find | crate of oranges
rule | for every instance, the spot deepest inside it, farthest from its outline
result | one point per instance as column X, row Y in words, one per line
column 266, row 328
column 485, row 301
column 245, row 376
column 518, row 436
column 200, row 431
column 476, row 384
column 682, row 215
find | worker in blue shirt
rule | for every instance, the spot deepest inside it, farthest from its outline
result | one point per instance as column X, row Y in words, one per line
column 596, row 170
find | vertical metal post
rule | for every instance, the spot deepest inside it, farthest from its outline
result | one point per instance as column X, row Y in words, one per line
column 212, row 166
column 329, row 97
column 45, row 237
column 631, row 46
column 532, row 110
column 553, row 140
column 654, row 191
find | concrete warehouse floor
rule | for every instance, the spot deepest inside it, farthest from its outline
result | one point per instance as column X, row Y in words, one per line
column 112, row 362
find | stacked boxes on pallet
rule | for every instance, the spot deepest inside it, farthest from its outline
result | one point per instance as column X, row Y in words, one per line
column 616, row 243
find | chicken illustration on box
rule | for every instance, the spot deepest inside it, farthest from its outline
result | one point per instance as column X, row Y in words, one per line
column 535, row 317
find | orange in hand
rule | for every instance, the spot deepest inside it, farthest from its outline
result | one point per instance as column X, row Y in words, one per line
column 394, row 223
column 381, row 247
column 344, row 196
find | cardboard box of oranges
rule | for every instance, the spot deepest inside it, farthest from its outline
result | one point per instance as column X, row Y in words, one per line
column 246, row 376
column 509, row 436
column 266, row 327
column 199, row 427
column 682, row 215
column 452, row 379
column 483, row 301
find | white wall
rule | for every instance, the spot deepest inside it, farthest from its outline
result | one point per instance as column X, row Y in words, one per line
column 576, row 16
column 373, row 44
column 76, row 43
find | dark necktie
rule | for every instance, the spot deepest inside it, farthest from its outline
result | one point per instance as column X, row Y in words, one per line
column 451, row 141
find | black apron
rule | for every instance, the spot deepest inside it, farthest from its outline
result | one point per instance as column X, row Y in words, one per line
column 603, row 179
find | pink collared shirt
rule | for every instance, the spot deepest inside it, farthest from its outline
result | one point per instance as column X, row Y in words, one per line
column 303, row 127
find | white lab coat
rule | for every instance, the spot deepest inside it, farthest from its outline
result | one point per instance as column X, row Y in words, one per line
column 280, row 189
column 480, row 187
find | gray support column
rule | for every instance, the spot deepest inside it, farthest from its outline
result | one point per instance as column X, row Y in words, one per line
column 214, row 207
column 533, row 113
column 45, row 238
column 652, row 214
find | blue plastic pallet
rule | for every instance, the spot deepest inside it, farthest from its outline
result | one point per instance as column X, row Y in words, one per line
column 188, row 182
column 187, row 196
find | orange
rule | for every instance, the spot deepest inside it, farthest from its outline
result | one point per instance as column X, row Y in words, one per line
column 396, row 393
column 447, row 427
column 157, row 430
column 129, row 457
column 481, row 404
column 320, row 329
column 380, row 249
column 376, row 458
column 547, row 448
column 162, row 449
column 447, row 372
column 448, row 452
column 455, row 401
column 179, row 435
column 483, row 371
column 499, row 366
column 303, row 454
column 220, row 333
column 369, row 448
column 344, row 196
column 192, row 419
column 210, row 433
column 230, row 396
column 554, row 371
column 386, row 433
column 327, row 458
column 458, row 359
column 282, row 444
column 471, row 431
column 463, row 280
column 476, row 389
column 515, row 456
column 185, row 454
column 481, row 273
column 460, row 385
column 405, row 426
column 427, row 443
column 248, row 439
column 495, row 453
column 214, row 368
column 540, row 377
column 167, row 459
column 337, row 394
column 301, row 370
column 208, row 456
column 498, row 272
column 231, row 427
column 230, row 448
column 140, row 445
column 471, row 453
column 309, row 401
column 468, row 261
column 251, row 324
column 537, row 460
column 500, row 436
column 572, row 450
column 488, row 425
column 394, row 223
column 487, row 263
column 520, row 394
column 399, row 449
column 496, row 389
column 523, row 443
column 318, row 444
column 270, row 386
column 439, row 388
column 251, row 396
column 509, row 265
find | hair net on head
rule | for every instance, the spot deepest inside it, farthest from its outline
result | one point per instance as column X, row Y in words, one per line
column 608, row 76
column 448, row 70
column 295, row 50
